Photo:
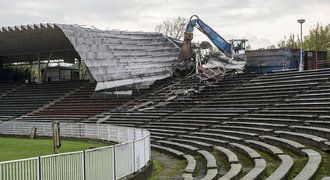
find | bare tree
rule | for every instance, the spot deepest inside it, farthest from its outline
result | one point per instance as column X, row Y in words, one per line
column 174, row 27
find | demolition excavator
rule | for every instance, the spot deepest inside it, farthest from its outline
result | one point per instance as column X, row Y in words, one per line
column 232, row 56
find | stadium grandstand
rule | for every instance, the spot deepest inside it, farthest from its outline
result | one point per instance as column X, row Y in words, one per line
column 247, row 126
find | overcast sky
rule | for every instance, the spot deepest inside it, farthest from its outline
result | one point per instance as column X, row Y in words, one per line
column 263, row 22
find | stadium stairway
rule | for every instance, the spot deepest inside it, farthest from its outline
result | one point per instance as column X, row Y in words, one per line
column 272, row 126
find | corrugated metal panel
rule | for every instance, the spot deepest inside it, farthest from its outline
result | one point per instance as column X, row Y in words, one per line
column 121, row 58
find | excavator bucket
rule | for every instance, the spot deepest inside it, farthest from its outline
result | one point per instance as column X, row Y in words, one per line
column 186, row 51
column 185, row 64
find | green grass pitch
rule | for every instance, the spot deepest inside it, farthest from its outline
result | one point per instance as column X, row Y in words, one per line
column 12, row 148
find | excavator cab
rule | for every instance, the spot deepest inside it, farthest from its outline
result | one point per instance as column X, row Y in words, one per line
column 238, row 45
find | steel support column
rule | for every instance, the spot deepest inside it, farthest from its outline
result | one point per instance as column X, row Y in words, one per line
column 39, row 70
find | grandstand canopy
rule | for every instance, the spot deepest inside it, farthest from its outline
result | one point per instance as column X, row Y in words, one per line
column 114, row 58
column 24, row 43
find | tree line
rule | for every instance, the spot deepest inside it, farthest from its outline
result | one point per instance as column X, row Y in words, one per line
column 317, row 39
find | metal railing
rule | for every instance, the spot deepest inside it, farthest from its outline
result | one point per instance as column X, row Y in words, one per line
column 130, row 155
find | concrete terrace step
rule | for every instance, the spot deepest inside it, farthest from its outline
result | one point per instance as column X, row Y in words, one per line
column 191, row 163
column 134, row 114
column 235, row 97
column 305, row 138
column 284, row 169
column 270, row 120
column 188, row 121
column 319, row 123
column 210, row 174
column 285, row 143
column 154, row 137
column 246, row 150
column 326, row 178
column 310, row 169
column 257, row 125
column 314, row 93
column 187, row 176
column 270, row 89
column 260, row 87
column 303, row 104
column 233, row 105
column 233, row 133
column 244, row 101
column 308, row 99
column 234, row 171
column 178, row 124
column 231, row 156
column 179, row 146
column 244, row 129
column 219, row 136
column 207, row 113
column 174, row 132
column 125, row 122
column 168, row 150
column 299, row 109
column 258, row 169
column 213, row 141
column 281, row 116
column 211, row 163
column 198, row 144
column 287, row 162
column 324, row 117
column 287, row 92
column 302, row 76
column 216, row 111
column 176, row 128
column 159, row 134
column 264, row 147
column 293, row 111
column 292, row 75
column 190, row 117
column 277, row 82
column 321, row 132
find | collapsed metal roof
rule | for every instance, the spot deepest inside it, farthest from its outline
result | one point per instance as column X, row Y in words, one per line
column 114, row 58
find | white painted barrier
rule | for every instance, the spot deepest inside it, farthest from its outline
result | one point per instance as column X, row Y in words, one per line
column 130, row 155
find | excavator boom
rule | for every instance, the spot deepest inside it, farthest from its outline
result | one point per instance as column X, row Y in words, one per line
column 217, row 40
column 233, row 57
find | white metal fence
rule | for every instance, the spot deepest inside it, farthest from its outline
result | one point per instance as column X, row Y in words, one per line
column 131, row 154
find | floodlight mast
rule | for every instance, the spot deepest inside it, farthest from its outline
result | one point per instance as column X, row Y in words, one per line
column 301, row 65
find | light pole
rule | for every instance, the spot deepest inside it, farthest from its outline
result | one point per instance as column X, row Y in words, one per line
column 301, row 65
